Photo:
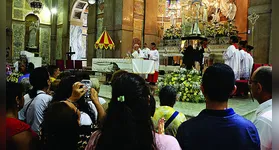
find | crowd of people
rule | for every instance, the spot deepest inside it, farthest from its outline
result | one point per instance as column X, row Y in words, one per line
column 65, row 119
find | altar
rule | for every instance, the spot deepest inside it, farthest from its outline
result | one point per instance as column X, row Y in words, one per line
column 137, row 66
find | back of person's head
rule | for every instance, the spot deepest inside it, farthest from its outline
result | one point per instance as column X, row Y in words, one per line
column 30, row 67
column 60, row 127
column 82, row 75
column 218, row 82
column 263, row 75
column 52, row 69
column 249, row 48
column 128, row 123
column 64, row 91
column 243, row 44
column 234, row 39
column 117, row 74
column 14, row 95
column 26, row 85
column 167, row 96
column 153, row 44
column 64, row 75
column 39, row 79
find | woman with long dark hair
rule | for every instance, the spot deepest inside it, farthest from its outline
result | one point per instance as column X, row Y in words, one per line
column 60, row 127
column 128, row 124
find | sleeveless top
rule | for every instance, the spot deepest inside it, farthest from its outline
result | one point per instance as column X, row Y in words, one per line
column 14, row 127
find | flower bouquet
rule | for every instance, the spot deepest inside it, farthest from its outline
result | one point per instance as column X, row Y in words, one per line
column 187, row 84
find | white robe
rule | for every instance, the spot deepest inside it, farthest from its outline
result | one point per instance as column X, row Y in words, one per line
column 232, row 59
column 138, row 55
column 251, row 62
column 244, row 64
column 154, row 55
column 145, row 52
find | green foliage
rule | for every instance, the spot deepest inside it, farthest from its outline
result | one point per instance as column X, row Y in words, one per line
column 187, row 84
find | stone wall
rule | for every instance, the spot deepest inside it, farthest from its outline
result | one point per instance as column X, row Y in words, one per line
column 262, row 32
column 20, row 9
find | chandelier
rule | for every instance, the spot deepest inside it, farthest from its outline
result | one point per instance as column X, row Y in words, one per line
column 36, row 6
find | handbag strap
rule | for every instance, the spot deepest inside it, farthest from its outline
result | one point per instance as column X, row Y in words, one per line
column 25, row 113
column 168, row 122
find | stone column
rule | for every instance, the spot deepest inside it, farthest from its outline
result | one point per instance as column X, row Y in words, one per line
column 91, row 33
column 109, row 23
column 9, row 25
column 53, row 33
column 151, row 27
column 66, row 28
column 126, row 19
column 241, row 18
column 262, row 30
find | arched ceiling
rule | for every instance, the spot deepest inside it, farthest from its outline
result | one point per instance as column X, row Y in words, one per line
column 79, row 13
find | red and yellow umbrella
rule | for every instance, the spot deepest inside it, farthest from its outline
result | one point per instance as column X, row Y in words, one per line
column 104, row 41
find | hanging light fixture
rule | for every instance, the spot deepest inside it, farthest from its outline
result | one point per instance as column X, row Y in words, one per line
column 36, row 6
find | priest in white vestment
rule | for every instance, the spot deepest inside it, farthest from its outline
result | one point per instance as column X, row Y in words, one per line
column 232, row 56
column 137, row 54
column 145, row 51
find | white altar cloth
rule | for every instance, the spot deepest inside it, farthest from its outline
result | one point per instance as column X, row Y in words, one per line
column 138, row 66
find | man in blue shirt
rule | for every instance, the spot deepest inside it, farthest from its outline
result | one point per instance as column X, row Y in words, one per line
column 218, row 127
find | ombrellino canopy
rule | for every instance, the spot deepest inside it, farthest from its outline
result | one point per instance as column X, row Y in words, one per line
column 104, row 42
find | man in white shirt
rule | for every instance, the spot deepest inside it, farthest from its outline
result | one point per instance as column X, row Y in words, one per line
column 154, row 55
column 145, row 51
column 137, row 54
column 37, row 100
column 232, row 56
column 261, row 87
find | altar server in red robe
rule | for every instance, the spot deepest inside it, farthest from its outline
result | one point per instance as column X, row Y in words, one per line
column 154, row 55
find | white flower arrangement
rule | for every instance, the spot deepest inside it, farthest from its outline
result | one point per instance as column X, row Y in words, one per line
column 186, row 82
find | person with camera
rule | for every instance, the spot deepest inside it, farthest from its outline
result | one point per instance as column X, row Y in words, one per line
column 62, row 124
column 88, row 121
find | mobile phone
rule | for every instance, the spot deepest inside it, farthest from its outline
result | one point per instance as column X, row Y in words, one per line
column 87, row 83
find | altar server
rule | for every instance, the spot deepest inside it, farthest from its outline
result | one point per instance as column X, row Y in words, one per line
column 244, row 60
column 137, row 54
column 154, row 55
column 232, row 56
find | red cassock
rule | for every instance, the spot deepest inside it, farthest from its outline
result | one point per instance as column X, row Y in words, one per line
column 153, row 77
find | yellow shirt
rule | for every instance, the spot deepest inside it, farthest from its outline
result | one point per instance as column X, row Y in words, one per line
column 52, row 79
column 166, row 112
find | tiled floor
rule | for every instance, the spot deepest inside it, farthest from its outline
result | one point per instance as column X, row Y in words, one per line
column 243, row 106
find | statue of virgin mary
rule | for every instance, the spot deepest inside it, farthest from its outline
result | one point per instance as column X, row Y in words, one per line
column 33, row 35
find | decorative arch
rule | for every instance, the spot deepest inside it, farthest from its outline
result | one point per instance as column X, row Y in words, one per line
column 78, row 29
